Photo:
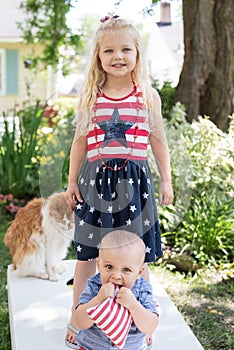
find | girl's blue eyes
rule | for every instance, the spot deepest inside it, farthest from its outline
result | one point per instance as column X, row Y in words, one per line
column 124, row 50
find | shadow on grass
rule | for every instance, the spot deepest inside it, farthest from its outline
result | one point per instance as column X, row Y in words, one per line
column 211, row 316
column 210, row 326
column 220, row 289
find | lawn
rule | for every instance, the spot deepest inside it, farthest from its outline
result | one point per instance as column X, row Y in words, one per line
column 5, row 259
column 205, row 301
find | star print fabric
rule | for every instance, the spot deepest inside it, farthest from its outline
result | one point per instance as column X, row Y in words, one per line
column 122, row 199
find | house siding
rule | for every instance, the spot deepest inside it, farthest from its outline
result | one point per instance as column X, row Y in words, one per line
column 36, row 80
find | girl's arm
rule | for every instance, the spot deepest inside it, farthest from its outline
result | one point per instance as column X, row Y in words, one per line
column 162, row 159
column 77, row 155
column 160, row 152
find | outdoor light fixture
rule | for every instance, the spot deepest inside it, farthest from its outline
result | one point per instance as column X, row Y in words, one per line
column 27, row 63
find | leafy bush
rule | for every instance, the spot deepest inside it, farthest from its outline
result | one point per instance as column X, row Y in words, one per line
column 9, row 205
column 20, row 150
column 207, row 229
column 167, row 93
column 54, row 163
column 201, row 220
column 208, row 225
column 34, row 151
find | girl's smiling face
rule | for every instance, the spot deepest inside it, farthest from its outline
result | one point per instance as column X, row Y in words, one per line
column 120, row 266
column 117, row 53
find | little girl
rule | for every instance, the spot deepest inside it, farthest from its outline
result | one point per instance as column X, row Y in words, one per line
column 110, row 182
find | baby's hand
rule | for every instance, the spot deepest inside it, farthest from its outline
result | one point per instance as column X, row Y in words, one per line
column 106, row 291
column 126, row 298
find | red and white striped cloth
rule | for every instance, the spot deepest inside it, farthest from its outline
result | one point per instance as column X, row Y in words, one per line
column 127, row 108
column 113, row 319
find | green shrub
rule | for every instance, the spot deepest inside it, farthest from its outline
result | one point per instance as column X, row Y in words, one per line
column 20, row 151
column 207, row 229
column 34, row 151
column 9, row 205
column 201, row 221
column 54, row 164
column 167, row 93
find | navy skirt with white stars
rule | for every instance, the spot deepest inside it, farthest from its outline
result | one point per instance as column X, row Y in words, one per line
column 116, row 200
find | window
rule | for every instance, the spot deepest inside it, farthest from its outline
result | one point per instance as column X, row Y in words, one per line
column 9, row 72
column 2, row 71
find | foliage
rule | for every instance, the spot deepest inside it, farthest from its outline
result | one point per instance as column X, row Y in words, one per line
column 201, row 220
column 34, row 152
column 20, row 150
column 5, row 260
column 46, row 24
column 54, row 162
column 208, row 226
column 166, row 92
column 9, row 205
column 207, row 229
column 206, row 304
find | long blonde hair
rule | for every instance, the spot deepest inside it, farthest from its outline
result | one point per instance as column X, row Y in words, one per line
column 96, row 76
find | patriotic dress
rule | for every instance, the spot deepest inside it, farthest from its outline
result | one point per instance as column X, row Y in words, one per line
column 115, row 180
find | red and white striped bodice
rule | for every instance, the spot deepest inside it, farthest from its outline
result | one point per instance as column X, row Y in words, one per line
column 111, row 115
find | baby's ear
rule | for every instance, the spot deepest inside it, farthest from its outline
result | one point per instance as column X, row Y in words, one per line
column 97, row 263
column 142, row 269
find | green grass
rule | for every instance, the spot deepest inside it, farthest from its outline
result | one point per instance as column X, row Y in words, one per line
column 5, row 260
column 205, row 301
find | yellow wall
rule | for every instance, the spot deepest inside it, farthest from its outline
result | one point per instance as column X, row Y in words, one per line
column 38, row 80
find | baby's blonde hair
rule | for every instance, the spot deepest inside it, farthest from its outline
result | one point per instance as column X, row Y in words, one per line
column 122, row 239
column 96, row 76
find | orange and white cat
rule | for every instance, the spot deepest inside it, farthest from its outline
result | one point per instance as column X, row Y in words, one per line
column 39, row 236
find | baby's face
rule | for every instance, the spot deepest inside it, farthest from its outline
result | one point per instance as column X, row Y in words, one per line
column 120, row 266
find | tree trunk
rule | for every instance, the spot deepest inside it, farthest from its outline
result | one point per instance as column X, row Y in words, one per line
column 206, row 81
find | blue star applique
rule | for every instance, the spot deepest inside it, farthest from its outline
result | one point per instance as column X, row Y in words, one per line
column 115, row 129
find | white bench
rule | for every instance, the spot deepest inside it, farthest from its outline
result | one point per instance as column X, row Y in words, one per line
column 40, row 310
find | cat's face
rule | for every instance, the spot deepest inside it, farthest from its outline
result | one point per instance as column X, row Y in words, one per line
column 61, row 214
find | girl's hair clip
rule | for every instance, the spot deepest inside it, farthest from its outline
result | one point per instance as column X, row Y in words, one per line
column 106, row 18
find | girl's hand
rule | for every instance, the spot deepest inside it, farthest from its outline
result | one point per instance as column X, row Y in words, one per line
column 106, row 291
column 72, row 194
column 165, row 193
column 126, row 298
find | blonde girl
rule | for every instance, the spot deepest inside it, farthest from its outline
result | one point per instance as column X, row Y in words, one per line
column 110, row 182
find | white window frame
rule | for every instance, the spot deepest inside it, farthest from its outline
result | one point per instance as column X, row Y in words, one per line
column 2, row 72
